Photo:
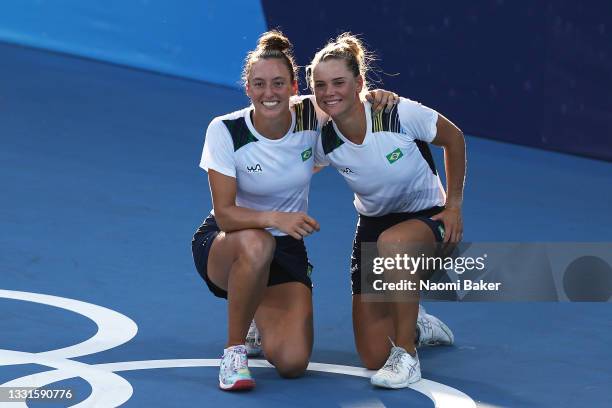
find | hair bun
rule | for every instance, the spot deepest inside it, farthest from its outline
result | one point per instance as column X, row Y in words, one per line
column 353, row 43
column 271, row 44
column 347, row 47
column 274, row 40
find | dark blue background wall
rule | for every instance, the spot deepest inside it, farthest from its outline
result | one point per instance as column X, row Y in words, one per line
column 536, row 73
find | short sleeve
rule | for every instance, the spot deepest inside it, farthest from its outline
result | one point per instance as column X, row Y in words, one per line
column 417, row 121
column 218, row 153
column 321, row 116
column 320, row 159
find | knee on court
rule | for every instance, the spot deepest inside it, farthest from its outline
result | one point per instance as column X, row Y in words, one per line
column 289, row 362
column 372, row 358
column 292, row 367
column 373, row 353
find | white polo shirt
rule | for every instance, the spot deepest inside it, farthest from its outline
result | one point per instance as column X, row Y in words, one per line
column 392, row 170
column 271, row 175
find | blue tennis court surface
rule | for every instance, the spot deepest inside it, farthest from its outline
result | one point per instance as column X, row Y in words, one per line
column 101, row 192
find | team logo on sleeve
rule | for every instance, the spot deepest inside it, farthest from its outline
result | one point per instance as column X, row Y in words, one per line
column 395, row 156
column 254, row 169
column 307, row 154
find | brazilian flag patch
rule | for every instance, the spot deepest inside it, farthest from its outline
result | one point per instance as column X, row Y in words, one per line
column 395, row 156
column 307, row 154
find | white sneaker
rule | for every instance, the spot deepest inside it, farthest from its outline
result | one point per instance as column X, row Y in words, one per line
column 400, row 370
column 253, row 341
column 432, row 331
column 234, row 372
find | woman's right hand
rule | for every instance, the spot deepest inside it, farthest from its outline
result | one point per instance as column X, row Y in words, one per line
column 296, row 224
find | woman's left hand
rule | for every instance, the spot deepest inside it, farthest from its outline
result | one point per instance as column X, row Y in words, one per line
column 381, row 99
column 453, row 224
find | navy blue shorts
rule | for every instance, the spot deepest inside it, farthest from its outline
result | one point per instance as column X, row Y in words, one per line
column 290, row 262
column 370, row 228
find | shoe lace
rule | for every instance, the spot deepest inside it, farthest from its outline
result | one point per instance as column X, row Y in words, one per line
column 238, row 361
column 253, row 336
column 393, row 361
column 426, row 324
column 425, row 330
column 394, row 358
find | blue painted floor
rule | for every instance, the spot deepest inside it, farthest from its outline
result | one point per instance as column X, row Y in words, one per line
column 101, row 192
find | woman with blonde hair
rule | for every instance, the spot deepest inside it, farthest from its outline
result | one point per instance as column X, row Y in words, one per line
column 402, row 206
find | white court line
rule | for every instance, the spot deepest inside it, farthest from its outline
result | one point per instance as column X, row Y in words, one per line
column 107, row 388
column 442, row 395
column 115, row 329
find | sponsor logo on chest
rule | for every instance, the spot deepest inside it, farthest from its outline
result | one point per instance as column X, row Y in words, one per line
column 254, row 169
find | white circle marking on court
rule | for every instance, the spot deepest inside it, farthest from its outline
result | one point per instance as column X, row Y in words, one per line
column 115, row 329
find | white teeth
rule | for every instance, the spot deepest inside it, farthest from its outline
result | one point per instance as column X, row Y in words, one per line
column 331, row 102
column 270, row 104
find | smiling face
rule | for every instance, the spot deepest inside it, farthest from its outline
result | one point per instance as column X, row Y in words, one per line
column 336, row 87
column 270, row 86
